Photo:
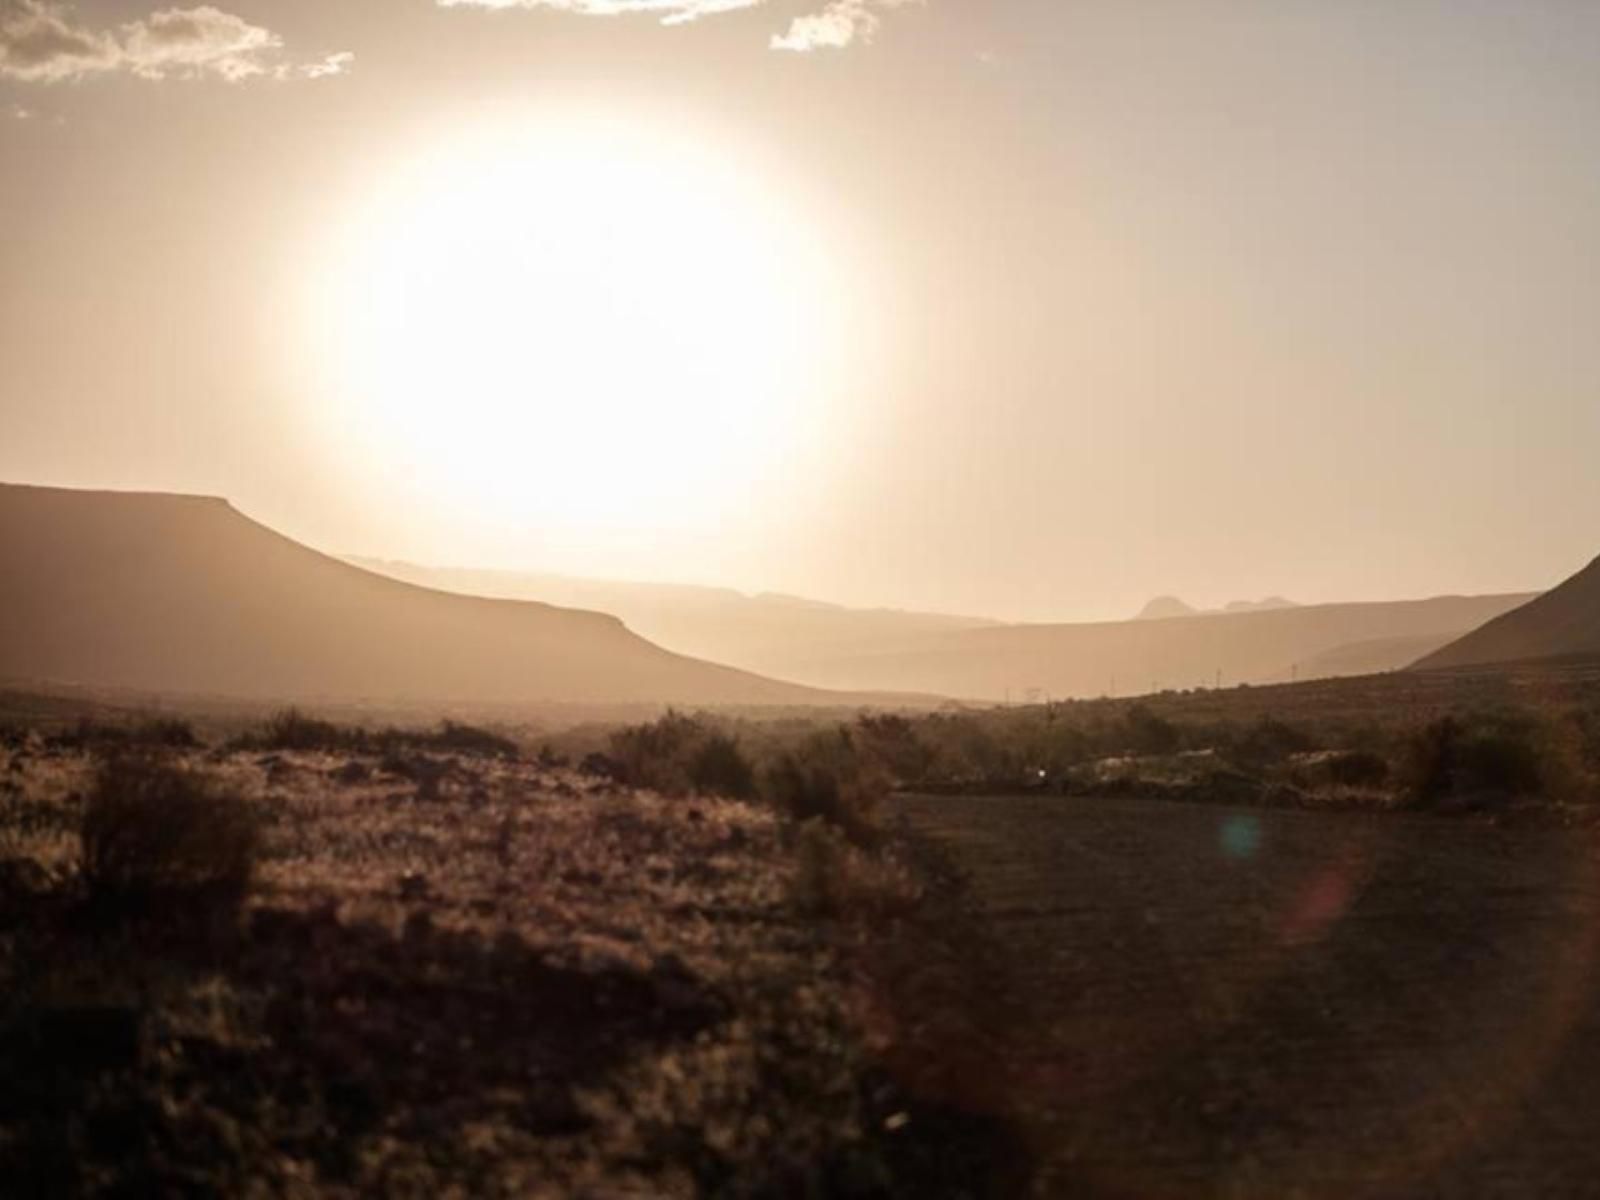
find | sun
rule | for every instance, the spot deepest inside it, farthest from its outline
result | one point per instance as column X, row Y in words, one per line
column 577, row 322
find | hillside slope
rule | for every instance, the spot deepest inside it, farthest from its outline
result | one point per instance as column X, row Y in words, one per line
column 1371, row 657
column 1128, row 657
column 184, row 594
column 1563, row 621
column 768, row 633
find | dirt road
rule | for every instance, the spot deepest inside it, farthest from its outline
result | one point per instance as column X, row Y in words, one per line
column 1198, row 1001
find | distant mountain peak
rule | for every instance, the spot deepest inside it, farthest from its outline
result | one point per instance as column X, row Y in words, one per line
column 1163, row 608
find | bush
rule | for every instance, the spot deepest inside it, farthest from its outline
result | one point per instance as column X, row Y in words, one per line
column 892, row 742
column 1499, row 756
column 719, row 768
column 161, row 733
column 676, row 755
column 656, row 755
column 291, row 729
column 835, row 880
column 469, row 739
column 156, row 831
column 827, row 779
column 1148, row 733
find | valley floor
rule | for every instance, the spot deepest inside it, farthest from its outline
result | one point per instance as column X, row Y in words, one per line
column 1201, row 1001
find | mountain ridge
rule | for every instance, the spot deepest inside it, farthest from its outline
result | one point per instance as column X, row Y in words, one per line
column 186, row 594
column 1562, row 622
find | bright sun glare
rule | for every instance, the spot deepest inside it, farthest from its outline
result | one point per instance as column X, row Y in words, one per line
column 580, row 323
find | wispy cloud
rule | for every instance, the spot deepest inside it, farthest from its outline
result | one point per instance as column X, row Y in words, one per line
column 42, row 41
column 840, row 23
column 671, row 12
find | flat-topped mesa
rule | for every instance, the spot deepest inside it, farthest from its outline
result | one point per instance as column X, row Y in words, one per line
column 184, row 594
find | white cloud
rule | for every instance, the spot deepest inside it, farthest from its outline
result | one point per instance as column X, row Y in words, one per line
column 324, row 68
column 671, row 12
column 839, row 24
column 42, row 41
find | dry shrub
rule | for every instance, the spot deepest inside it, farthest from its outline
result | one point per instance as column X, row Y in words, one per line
column 656, row 755
column 291, row 729
column 155, row 831
column 835, row 879
column 161, row 733
column 719, row 768
column 828, row 779
column 677, row 755
column 1495, row 757
column 469, row 739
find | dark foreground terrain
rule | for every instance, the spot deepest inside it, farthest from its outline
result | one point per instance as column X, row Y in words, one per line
column 444, row 973
column 1200, row 1001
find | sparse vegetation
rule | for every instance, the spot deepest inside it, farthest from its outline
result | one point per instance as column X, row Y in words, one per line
column 835, row 878
column 1346, row 743
column 161, row 733
column 1494, row 759
column 496, row 991
column 838, row 775
column 718, row 768
column 401, row 883
column 291, row 729
column 155, row 832
column 829, row 778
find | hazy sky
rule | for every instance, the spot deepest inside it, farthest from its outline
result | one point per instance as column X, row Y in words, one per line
column 1032, row 308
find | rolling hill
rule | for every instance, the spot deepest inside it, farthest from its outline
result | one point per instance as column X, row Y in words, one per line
column 183, row 594
column 769, row 633
column 879, row 650
column 1128, row 657
column 1562, row 622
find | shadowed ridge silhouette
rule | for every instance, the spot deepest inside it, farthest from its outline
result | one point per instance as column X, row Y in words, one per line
column 184, row 594
column 1563, row 622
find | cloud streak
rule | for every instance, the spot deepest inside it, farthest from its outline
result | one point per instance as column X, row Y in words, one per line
column 840, row 23
column 42, row 41
column 671, row 12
